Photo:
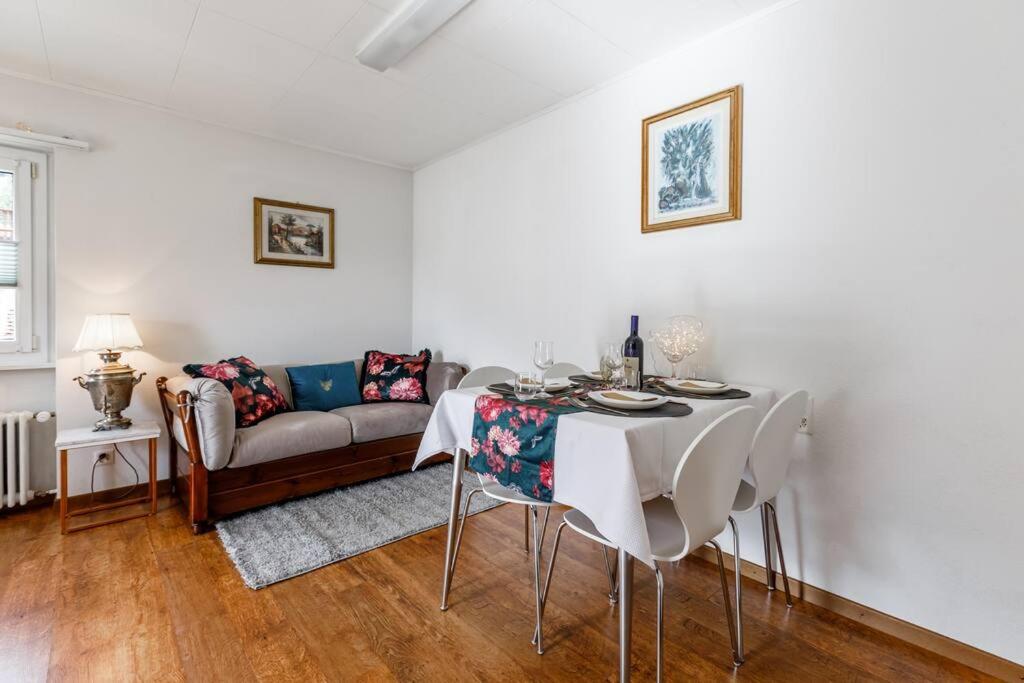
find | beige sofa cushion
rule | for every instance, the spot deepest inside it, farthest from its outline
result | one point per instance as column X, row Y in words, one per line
column 280, row 377
column 288, row 434
column 441, row 377
column 279, row 373
column 374, row 421
column 214, row 415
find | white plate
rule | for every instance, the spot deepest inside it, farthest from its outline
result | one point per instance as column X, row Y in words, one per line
column 698, row 386
column 556, row 384
column 640, row 404
column 594, row 375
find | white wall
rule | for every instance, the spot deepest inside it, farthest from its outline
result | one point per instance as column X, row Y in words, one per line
column 27, row 390
column 877, row 265
column 157, row 221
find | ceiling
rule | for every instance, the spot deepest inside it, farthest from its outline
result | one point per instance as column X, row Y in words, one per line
column 287, row 68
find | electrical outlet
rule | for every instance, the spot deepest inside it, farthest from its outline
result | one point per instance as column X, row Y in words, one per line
column 103, row 459
column 807, row 421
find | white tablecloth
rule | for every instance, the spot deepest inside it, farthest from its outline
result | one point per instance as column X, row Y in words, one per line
column 605, row 466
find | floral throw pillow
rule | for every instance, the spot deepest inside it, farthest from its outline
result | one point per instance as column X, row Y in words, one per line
column 255, row 395
column 395, row 377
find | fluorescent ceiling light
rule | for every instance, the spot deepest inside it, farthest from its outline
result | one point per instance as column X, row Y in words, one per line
column 409, row 27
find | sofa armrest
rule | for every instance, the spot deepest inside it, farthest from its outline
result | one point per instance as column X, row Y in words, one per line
column 441, row 377
column 209, row 405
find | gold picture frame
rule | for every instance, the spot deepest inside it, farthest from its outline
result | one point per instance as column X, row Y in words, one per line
column 676, row 188
column 292, row 234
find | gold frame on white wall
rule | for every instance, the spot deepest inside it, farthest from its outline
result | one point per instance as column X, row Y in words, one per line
column 735, row 160
column 261, row 248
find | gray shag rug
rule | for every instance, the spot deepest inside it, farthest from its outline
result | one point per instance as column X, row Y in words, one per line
column 285, row 540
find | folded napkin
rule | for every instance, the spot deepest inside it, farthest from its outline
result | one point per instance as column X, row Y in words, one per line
column 616, row 396
column 699, row 384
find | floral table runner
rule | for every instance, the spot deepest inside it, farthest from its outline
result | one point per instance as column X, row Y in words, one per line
column 514, row 442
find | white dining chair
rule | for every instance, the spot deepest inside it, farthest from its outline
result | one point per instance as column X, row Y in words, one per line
column 770, row 454
column 483, row 377
column 703, row 490
column 489, row 374
column 564, row 370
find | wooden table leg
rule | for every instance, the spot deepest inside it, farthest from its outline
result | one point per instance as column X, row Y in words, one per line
column 63, row 491
column 625, row 614
column 173, row 465
column 152, row 476
column 458, row 465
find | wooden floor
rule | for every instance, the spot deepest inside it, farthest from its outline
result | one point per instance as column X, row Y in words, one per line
column 146, row 600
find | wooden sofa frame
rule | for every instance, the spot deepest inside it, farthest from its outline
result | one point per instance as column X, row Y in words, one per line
column 210, row 495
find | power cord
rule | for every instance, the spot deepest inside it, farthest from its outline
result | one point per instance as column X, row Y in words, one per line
column 92, row 477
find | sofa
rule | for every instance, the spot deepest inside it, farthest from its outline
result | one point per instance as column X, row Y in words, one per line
column 226, row 470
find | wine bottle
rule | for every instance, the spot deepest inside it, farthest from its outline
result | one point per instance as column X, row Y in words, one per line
column 633, row 355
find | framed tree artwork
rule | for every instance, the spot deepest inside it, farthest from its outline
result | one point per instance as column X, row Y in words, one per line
column 289, row 234
column 692, row 162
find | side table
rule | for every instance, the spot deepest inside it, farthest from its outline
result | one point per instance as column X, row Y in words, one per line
column 85, row 437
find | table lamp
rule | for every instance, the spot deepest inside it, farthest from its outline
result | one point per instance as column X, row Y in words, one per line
column 679, row 337
column 109, row 386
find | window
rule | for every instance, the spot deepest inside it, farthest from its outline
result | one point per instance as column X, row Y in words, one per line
column 23, row 257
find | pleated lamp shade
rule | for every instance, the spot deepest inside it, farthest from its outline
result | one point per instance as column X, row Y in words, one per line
column 113, row 331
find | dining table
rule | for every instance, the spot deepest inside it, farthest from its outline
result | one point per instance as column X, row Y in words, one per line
column 606, row 465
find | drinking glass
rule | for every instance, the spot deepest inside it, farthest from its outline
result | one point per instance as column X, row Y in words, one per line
column 611, row 358
column 695, row 370
column 526, row 386
column 543, row 358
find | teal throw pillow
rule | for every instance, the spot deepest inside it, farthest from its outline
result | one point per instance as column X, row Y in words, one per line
column 324, row 387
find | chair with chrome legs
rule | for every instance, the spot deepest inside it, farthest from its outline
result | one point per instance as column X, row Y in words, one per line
column 703, row 490
column 568, row 370
column 770, row 454
column 493, row 374
column 483, row 377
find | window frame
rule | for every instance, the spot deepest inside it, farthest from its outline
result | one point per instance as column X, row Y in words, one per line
column 31, row 190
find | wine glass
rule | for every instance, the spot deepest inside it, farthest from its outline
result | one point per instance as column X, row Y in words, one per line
column 526, row 386
column 611, row 358
column 543, row 358
column 680, row 337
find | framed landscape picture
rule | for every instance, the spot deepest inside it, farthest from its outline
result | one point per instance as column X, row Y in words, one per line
column 288, row 234
column 692, row 158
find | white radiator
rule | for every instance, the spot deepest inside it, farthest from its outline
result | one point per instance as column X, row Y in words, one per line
column 14, row 457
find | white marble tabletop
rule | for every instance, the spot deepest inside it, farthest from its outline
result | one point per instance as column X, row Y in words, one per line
column 80, row 437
